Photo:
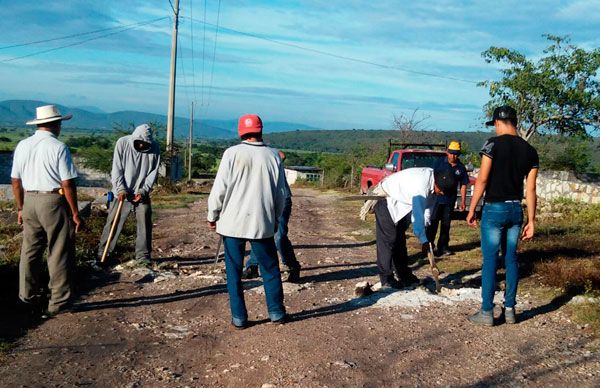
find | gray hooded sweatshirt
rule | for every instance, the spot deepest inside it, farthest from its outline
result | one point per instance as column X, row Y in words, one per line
column 133, row 171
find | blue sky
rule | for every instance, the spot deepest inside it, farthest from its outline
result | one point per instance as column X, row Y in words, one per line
column 130, row 70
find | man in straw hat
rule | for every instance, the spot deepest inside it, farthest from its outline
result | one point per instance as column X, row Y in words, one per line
column 43, row 180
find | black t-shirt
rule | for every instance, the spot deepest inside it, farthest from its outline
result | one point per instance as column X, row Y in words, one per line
column 512, row 159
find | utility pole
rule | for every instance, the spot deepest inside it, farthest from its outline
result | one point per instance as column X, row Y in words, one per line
column 190, row 144
column 171, row 111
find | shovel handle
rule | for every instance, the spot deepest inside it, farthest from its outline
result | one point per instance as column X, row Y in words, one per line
column 112, row 230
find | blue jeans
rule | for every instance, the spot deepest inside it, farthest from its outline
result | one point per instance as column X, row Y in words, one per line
column 500, row 229
column 283, row 243
column 269, row 267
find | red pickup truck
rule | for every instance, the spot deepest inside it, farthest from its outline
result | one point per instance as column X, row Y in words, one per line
column 406, row 157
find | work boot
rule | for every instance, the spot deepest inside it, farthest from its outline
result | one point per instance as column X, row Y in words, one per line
column 409, row 279
column 294, row 275
column 485, row 318
column 510, row 315
column 250, row 272
column 390, row 285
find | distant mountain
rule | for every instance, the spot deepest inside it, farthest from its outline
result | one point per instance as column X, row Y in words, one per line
column 17, row 112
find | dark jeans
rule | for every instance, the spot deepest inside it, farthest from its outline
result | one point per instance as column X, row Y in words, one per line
column 283, row 243
column 500, row 229
column 269, row 267
column 391, row 244
column 441, row 215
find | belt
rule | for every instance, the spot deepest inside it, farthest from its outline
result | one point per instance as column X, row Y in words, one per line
column 55, row 191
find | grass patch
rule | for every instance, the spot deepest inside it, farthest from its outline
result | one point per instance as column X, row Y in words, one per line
column 586, row 314
column 174, row 201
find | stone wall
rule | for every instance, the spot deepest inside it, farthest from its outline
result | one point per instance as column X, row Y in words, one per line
column 89, row 177
column 562, row 184
column 552, row 185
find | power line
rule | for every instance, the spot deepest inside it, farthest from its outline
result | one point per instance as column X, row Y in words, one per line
column 338, row 56
column 193, row 54
column 78, row 34
column 212, row 69
column 203, row 55
column 140, row 24
column 185, row 84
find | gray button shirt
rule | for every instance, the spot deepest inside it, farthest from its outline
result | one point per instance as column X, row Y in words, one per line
column 249, row 193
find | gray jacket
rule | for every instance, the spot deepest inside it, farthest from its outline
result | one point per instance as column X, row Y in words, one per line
column 248, row 195
column 133, row 171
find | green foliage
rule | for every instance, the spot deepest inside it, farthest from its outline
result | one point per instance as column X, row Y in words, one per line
column 560, row 93
column 573, row 153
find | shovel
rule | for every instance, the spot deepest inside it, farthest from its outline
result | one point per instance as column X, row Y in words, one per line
column 435, row 272
column 112, row 230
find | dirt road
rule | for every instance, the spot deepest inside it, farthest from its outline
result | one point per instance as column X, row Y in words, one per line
column 170, row 327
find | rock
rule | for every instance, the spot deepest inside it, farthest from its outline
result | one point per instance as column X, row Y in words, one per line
column 268, row 385
column 162, row 276
column 363, row 289
column 345, row 364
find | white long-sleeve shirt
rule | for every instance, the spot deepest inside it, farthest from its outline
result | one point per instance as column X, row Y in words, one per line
column 411, row 190
column 248, row 195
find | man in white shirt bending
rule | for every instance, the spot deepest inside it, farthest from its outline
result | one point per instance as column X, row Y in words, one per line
column 43, row 180
column 409, row 198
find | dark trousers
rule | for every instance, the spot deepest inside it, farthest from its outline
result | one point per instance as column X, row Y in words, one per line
column 391, row 244
column 441, row 215
column 283, row 243
column 143, row 239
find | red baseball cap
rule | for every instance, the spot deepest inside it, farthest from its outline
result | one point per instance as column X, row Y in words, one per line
column 249, row 124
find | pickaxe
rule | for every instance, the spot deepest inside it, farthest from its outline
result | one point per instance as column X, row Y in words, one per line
column 112, row 230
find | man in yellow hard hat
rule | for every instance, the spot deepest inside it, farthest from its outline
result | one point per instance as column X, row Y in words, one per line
column 444, row 203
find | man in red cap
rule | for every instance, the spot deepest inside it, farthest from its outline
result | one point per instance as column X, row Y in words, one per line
column 246, row 200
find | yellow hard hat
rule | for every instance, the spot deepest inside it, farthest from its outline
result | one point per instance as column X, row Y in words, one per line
column 454, row 147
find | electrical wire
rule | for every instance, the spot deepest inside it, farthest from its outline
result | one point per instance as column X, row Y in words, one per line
column 338, row 56
column 193, row 53
column 79, row 34
column 203, row 56
column 185, row 83
column 140, row 24
column 212, row 69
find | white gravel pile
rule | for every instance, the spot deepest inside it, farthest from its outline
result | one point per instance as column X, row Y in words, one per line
column 423, row 297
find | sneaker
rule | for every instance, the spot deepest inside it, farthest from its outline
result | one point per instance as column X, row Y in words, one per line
column 410, row 279
column 485, row 318
column 281, row 320
column 250, row 272
column 446, row 252
column 239, row 327
column 509, row 315
column 294, row 275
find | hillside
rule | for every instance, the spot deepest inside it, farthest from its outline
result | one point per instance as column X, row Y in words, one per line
column 17, row 112
column 345, row 140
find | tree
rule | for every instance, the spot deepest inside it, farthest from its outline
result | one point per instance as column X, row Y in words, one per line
column 560, row 93
column 404, row 123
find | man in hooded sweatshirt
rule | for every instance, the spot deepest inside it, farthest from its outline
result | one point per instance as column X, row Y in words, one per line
column 135, row 169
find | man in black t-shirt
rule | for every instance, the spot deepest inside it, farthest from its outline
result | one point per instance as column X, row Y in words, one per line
column 506, row 160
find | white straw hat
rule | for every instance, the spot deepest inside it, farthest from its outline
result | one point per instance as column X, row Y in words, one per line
column 47, row 114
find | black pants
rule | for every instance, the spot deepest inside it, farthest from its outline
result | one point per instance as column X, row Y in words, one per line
column 441, row 214
column 391, row 244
